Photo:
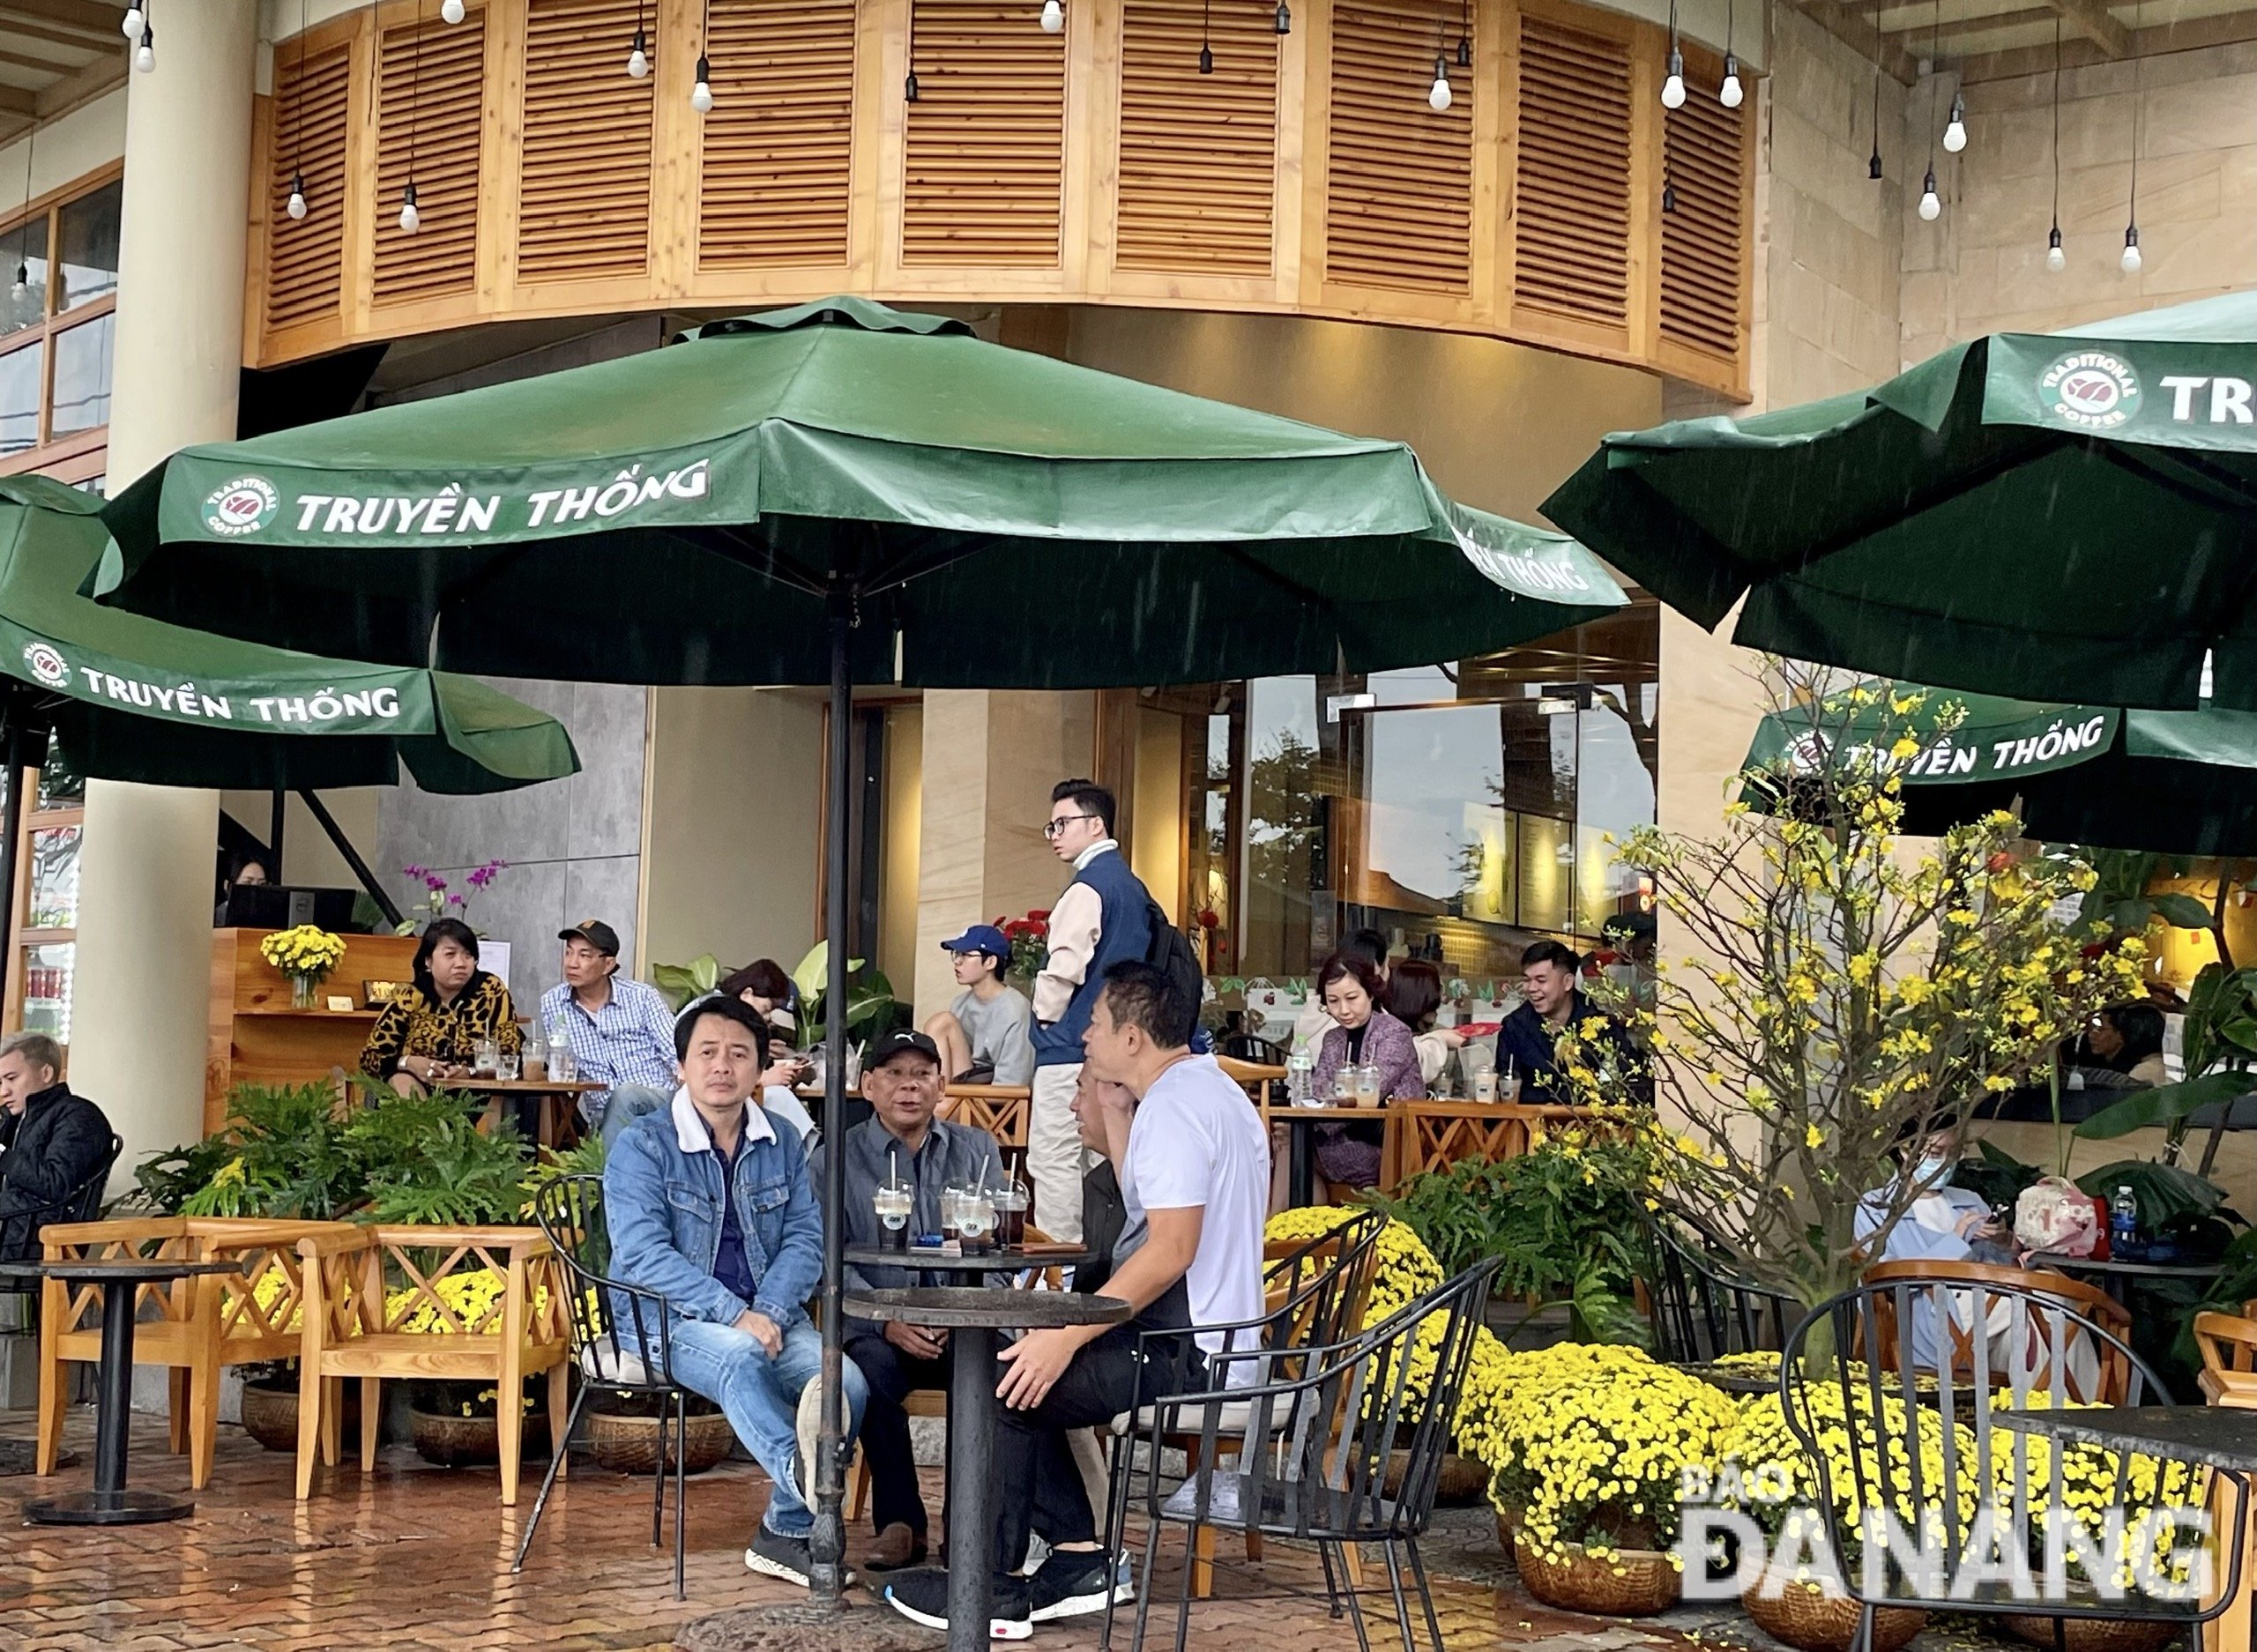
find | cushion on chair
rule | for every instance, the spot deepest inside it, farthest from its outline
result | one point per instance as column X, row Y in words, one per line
column 607, row 1364
column 1232, row 1416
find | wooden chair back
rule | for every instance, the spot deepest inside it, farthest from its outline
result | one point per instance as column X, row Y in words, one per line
column 2047, row 1344
column 2229, row 1346
column 1432, row 1135
column 999, row 1109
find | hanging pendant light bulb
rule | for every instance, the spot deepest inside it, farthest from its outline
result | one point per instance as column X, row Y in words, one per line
column 297, row 203
column 1672, row 90
column 639, row 57
column 1668, row 197
column 1284, row 18
column 22, row 289
column 1931, row 204
column 1955, row 133
column 1206, row 58
column 1731, row 93
column 1438, row 95
column 452, row 12
column 2056, row 260
column 410, row 219
column 1464, row 51
column 1054, row 17
column 133, row 21
column 909, row 88
column 701, row 95
column 1872, row 167
column 144, row 56
column 2131, row 259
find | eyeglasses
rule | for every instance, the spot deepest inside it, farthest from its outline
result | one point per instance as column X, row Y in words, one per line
column 1059, row 824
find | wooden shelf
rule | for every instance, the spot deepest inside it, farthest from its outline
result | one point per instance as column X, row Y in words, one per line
column 314, row 1014
column 256, row 1036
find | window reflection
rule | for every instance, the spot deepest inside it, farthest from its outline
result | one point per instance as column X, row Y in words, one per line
column 23, row 249
column 19, row 376
column 82, row 372
column 89, row 247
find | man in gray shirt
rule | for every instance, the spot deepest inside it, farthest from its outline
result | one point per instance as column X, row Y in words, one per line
column 902, row 1141
column 986, row 1025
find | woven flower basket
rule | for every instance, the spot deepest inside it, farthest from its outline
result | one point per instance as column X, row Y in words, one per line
column 270, row 1413
column 1802, row 1615
column 1509, row 1523
column 2094, row 1634
column 1630, row 1584
column 463, row 1442
column 630, row 1444
column 1463, row 1481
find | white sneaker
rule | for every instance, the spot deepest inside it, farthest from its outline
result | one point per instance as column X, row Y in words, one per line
column 807, row 1426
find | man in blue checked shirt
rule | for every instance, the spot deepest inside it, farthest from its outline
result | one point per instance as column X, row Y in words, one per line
column 622, row 1032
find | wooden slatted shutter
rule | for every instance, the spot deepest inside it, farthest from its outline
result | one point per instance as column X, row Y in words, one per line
column 305, row 257
column 1399, row 186
column 779, row 140
column 430, row 109
column 1705, row 156
column 1199, row 153
column 1571, row 252
column 584, row 180
column 985, row 148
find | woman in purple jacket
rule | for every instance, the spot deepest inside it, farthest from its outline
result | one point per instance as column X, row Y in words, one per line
column 1349, row 988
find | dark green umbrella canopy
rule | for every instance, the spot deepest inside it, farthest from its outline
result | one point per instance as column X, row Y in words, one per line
column 130, row 698
column 2170, row 782
column 991, row 517
column 2068, row 516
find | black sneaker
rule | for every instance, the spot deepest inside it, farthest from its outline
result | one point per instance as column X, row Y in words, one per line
column 776, row 1555
column 1077, row 1582
column 923, row 1599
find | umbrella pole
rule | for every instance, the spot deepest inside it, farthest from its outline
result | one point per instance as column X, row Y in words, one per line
column 12, row 822
column 829, row 1541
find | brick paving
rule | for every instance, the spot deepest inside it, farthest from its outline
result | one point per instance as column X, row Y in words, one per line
column 418, row 1558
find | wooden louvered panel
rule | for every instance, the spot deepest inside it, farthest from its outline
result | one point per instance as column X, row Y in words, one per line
column 1199, row 153
column 584, row 190
column 1571, row 255
column 1399, row 188
column 305, row 257
column 1705, row 149
column 780, row 139
column 430, row 106
column 985, row 156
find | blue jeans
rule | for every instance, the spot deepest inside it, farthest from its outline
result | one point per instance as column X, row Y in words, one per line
column 624, row 1105
column 761, row 1398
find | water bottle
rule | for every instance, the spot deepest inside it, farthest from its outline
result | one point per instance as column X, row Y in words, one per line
column 2123, row 1224
column 1301, row 1079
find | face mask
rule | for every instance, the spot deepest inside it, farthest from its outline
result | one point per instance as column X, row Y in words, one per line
column 1933, row 1172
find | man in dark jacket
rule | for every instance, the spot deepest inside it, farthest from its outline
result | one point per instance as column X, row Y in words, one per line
column 55, row 1142
column 1551, row 1004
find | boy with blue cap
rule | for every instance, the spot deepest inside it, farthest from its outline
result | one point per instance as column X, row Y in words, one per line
column 984, row 1032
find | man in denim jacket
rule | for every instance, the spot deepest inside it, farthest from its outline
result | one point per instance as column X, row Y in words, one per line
column 709, row 1205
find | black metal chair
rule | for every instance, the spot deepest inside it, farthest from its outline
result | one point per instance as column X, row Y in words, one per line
column 81, row 1203
column 620, row 1342
column 1306, row 1450
column 2000, row 1347
column 1701, row 1308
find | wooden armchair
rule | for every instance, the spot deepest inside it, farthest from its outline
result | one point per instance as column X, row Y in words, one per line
column 201, row 1326
column 999, row 1109
column 355, row 1326
column 2047, row 1344
column 2228, row 1346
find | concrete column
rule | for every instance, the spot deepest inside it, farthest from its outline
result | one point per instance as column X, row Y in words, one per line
column 144, row 920
column 989, row 760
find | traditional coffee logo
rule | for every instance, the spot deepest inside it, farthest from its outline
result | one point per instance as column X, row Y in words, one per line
column 47, row 665
column 242, row 506
column 2091, row 390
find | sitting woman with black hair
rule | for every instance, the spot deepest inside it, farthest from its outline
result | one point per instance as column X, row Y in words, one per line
column 430, row 1033
column 2123, row 1049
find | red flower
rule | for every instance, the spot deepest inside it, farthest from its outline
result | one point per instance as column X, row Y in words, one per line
column 1039, row 914
column 1207, row 918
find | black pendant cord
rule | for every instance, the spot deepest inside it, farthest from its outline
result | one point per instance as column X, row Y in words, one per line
column 1872, row 167
column 2132, row 203
column 24, row 229
column 2057, row 129
column 909, row 82
column 414, row 99
column 1935, row 75
column 1465, row 34
column 1206, row 47
column 298, row 112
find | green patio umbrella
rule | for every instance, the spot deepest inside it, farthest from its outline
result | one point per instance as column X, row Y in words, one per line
column 2066, row 515
column 2170, row 782
column 840, row 493
column 130, row 698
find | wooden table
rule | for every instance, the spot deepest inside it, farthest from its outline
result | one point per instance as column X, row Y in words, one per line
column 551, row 1106
column 972, row 1314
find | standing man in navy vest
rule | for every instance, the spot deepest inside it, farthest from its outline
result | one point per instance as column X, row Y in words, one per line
column 1101, row 919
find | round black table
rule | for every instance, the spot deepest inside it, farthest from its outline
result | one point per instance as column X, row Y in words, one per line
column 972, row 1314
column 111, row 1502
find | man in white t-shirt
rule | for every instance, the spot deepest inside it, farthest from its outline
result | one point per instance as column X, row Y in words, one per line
column 1195, row 1174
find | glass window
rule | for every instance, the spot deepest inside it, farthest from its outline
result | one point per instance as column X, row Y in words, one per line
column 82, row 363
column 20, row 381
column 89, row 247
column 23, row 249
column 47, row 969
column 53, row 893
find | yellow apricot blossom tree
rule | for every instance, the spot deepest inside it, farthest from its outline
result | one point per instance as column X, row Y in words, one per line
column 1849, row 989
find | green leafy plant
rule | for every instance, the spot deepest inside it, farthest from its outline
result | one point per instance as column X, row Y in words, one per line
column 2220, row 1034
column 283, row 1152
column 2119, row 895
column 870, row 1002
column 428, row 1163
column 679, row 983
column 1565, row 1216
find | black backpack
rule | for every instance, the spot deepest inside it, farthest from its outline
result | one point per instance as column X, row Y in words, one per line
column 1169, row 951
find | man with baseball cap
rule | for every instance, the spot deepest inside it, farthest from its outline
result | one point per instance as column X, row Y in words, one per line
column 622, row 1033
column 983, row 1034
column 901, row 1144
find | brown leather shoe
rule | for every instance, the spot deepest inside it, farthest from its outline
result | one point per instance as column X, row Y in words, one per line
column 897, row 1547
